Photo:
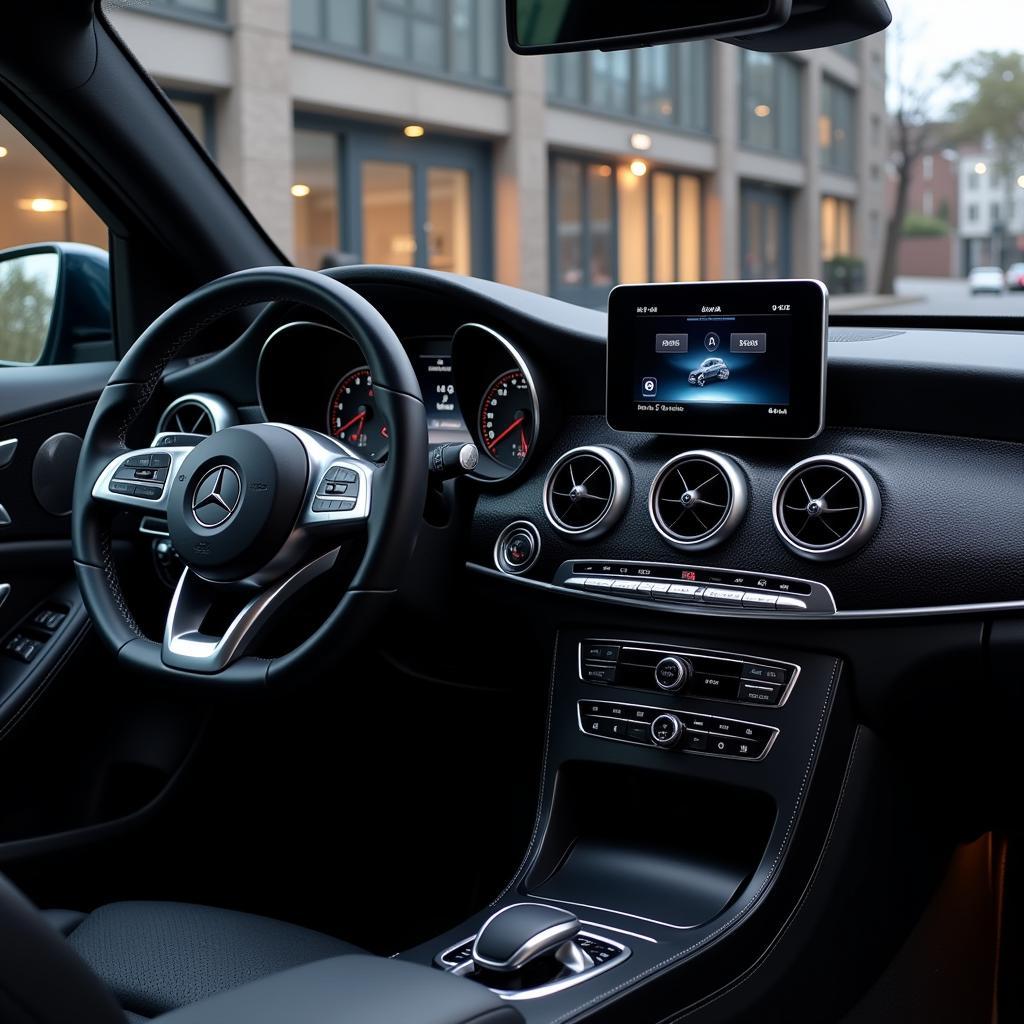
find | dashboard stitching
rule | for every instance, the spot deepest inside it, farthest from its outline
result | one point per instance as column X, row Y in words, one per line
column 543, row 779
column 689, row 1011
column 682, row 954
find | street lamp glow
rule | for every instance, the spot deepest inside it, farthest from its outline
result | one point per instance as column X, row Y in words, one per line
column 301, row 191
column 638, row 168
column 762, row 110
column 980, row 167
column 1020, row 181
column 414, row 131
column 3, row 152
column 641, row 141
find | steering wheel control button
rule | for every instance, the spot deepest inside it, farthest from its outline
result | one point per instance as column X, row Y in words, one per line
column 517, row 548
column 672, row 674
column 666, row 731
column 151, row 492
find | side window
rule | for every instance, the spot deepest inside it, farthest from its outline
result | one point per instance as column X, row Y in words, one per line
column 54, row 268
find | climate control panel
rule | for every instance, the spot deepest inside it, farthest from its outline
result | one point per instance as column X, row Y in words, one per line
column 687, row 672
column 676, row 730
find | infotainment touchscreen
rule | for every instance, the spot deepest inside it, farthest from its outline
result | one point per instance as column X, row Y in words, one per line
column 718, row 359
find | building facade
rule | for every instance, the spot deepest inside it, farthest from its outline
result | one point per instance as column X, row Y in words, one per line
column 405, row 132
column 991, row 209
column 930, row 245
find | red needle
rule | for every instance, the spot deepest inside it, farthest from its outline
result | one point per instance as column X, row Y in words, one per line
column 359, row 416
column 505, row 433
column 524, row 447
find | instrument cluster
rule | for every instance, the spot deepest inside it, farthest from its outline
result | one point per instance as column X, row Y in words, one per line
column 476, row 387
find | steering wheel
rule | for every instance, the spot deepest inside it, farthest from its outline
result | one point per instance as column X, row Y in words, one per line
column 255, row 511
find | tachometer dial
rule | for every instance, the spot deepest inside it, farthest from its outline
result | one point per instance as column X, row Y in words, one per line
column 353, row 417
column 506, row 419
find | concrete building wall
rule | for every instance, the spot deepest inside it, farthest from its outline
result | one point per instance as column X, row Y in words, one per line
column 258, row 81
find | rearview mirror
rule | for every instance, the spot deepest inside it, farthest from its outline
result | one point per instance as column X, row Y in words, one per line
column 54, row 304
column 550, row 26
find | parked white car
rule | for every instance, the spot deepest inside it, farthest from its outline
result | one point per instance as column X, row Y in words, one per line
column 986, row 279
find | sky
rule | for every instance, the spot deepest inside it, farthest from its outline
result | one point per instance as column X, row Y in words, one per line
column 939, row 32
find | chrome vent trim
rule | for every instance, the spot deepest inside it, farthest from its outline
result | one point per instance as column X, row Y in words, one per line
column 198, row 413
column 717, row 501
column 826, row 507
column 586, row 492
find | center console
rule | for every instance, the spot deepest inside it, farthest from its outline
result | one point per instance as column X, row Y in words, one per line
column 675, row 774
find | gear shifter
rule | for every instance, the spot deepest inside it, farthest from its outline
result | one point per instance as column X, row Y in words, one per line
column 517, row 936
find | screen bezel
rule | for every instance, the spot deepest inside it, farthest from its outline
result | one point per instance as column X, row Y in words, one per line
column 806, row 416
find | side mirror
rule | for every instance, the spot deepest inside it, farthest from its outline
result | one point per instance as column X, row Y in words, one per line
column 54, row 304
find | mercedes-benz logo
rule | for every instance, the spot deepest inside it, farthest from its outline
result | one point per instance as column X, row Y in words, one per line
column 216, row 497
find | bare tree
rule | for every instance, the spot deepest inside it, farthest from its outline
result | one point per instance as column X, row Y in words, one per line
column 912, row 135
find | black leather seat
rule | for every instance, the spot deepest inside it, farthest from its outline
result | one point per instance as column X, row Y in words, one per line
column 156, row 957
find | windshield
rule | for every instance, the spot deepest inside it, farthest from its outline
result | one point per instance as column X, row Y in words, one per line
column 405, row 132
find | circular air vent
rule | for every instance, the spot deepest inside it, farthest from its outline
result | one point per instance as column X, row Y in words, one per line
column 586, row 492
column 698, row 499
column 826, row 507
column 197, row 414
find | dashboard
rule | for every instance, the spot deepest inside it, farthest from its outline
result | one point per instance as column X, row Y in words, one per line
column 916, row 462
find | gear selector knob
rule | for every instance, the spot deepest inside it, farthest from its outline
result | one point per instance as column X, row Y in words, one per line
column 516, row 935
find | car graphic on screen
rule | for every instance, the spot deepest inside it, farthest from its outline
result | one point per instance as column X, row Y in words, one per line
column 711, row 369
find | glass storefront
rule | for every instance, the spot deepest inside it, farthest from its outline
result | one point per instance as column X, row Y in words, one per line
column 836, row 228
column 612, row 225
column 368, row 194
column 765, row 232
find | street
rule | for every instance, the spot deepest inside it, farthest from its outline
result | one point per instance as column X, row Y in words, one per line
column 946, row 297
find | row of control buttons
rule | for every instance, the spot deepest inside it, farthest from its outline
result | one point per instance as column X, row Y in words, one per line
column 692, row 673
column 337, row 491
column 23, row 645
column 701, row 734
column 142, row 476
column 688, row 593
column 693, row 574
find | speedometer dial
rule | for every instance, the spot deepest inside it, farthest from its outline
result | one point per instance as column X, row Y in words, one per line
column 353, row 418
column 506, row 419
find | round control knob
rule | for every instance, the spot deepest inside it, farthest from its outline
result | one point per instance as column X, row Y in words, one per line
column 517, row 548
column 666, row 730
column 673, row 674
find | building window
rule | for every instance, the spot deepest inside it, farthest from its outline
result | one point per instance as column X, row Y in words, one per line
column 928, row 167
column 611, row 226
column 661, row 85
column 836, row 228
column 461, row 38
column 770, row 101
column 928, row 202
column 315, row 190
column 764, row 231
column 366, row 194
column 847, row 50
column 836, row 127
column 209, row 9
column 972, row 211
column 996, row 211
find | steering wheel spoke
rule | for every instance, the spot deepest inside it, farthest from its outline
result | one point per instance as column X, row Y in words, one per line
column 140, row 479
column 187, row 646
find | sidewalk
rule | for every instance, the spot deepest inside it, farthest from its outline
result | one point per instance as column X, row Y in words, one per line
column 867, row 301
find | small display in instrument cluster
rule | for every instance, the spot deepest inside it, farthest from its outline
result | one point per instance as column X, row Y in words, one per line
column 432, row 359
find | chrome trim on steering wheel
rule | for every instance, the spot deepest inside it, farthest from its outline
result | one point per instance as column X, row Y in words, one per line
column 186, row 646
